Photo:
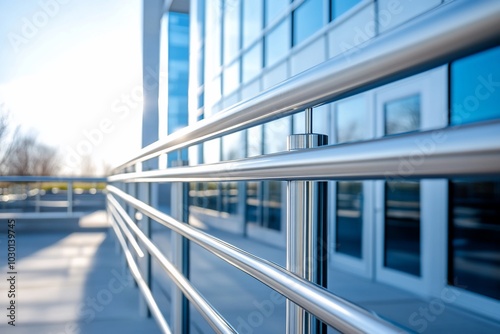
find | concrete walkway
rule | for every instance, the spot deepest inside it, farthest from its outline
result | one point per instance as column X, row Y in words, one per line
column 70, row 281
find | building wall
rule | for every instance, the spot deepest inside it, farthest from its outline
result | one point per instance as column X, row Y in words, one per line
column 420, row 235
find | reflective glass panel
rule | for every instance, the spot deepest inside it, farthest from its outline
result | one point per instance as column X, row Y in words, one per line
column 254, row 204
column 231, row 30
column 352, row 120
column 231, row 77
column 402, row 115
column 272, row 204
column 307, row 19
column 349, row 223
column 273, row 8
column 252, row 20
column 474, row 237
column 277, row 43
column 402, row 227
column 475, row 88
column 232, row 146
column 339, row 7
column 252, row 62
column 275, row 134
column 254, row 141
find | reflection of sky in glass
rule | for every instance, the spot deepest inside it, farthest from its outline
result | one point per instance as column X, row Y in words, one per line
column 231, row 30
column 402, row 115
column 254, row 142
column 278, row 42
column 252, row 20
column 475, row 88
column 352, row 120
column 339, row 7
column 273, row 8
column 231, row 78
column 231, row 146
column 303, row 25
column 275, row 134
column 252, row 62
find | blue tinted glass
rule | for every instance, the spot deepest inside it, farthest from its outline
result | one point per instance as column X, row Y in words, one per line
column 475, row 88
column 252, row 62
column 474, row 238
column 402, row 227
column 231, row 30
column 349, row 225
column 274, row 7
column 277, row 43
column 307, row 19
column 402, row 115
column 178, row 70
column 339, row 7
column 252, row 20
column 352, row 115
column 231, row 78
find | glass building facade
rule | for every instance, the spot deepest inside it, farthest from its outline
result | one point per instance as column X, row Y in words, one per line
column 386, row 230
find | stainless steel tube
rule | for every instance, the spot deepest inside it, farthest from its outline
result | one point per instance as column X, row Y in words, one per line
column 216, row 321
column 452, row 30
column 332, row 310
column 146, row 292
column 455, row 151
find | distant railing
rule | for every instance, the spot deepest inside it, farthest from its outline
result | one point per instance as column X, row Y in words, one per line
column 451, row 31
column 50, row 196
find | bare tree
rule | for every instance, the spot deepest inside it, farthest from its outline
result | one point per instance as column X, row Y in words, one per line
column 87, row 166
column 21, row 153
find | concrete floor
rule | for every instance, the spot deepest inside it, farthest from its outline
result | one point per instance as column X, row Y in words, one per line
column 70, row 282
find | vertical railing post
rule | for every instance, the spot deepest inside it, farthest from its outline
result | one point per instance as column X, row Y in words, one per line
column 180, row 255
column 144, row 195
column 306, row 249
column 70, row 197
column 37, row 197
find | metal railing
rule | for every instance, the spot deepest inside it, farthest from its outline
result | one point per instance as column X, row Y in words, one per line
column 451, row 31
column 50, row 196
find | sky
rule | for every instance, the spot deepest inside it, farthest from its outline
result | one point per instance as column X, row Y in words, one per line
column 70, row 71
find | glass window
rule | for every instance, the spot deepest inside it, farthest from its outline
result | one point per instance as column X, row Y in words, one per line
column 475, row 88
column 349, row 223
column 402, row 115
column 352, row 119
column 321, row 121
column 277, row 43
column 402, row 226
column 229, row 197
column 201, row 67
column 254, row 141
column 252, row 62
column 272, row 205
column 307, row 19
column 231, row 78
column 200, row 18
column 339, row 7
column 273, row 8
column 474, row 237
column 231, row 30
column 232, row 146
column 252, row 20
column 254, row 204
column 213, row 35
column 275, row 135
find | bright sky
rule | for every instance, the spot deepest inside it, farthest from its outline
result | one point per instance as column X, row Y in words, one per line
column 71, row 71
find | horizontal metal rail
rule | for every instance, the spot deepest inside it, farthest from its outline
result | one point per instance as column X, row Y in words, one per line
column 146, row 292
column 453, row 151
column 328, row 307
column 450, row 31
column 65, row 179
column 216, row 321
